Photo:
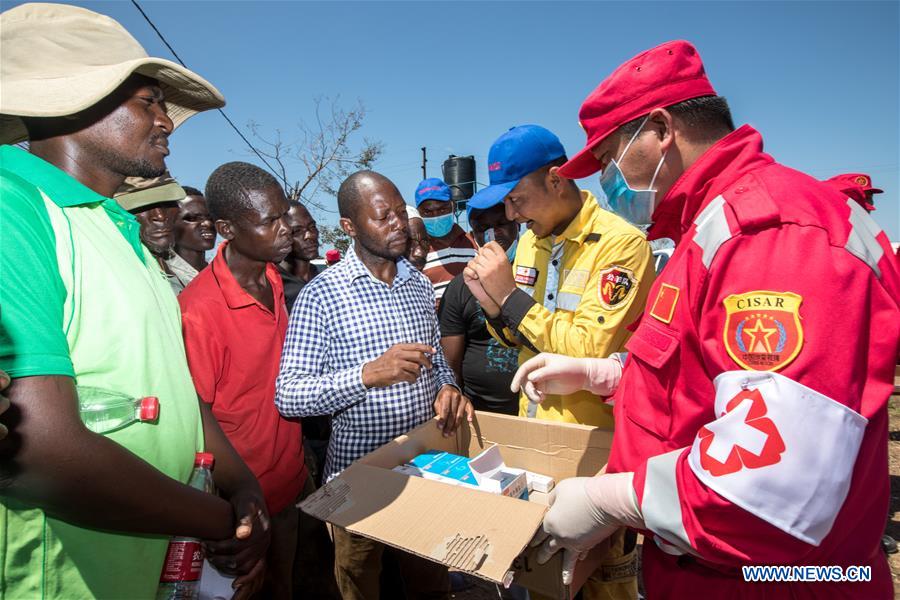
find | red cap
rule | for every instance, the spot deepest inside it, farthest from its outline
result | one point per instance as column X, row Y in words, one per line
column 204, row 459
column 660, row 77
column 853, row 180
column 149, row 409
column 332, row 256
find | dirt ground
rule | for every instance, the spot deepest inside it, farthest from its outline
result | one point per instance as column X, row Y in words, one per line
column 482, row 590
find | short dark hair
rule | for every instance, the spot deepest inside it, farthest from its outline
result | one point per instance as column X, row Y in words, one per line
column 707, row 118
column 348, row 196
column 191, row 191
column 477, row 213
column 228, row 188
column 292, row 203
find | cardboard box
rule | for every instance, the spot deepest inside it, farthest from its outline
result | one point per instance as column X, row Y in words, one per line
column 467, row 529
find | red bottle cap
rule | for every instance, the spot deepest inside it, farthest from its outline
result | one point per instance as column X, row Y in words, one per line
column 204, row 459
column 149, row 409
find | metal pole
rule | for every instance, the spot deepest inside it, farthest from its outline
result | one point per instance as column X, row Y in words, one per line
column 424, row 160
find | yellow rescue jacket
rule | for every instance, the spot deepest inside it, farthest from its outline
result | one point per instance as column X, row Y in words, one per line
column 577, row 293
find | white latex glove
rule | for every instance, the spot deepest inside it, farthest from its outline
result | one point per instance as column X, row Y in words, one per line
column 562, row 375
column 584, row 511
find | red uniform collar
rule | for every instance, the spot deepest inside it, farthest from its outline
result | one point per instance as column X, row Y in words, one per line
column 236, row 296
column 720, row 166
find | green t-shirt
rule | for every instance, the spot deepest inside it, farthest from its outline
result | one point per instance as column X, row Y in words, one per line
column 81, row 297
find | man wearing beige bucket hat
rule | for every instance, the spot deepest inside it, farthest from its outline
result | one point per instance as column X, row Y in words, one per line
column 85, row 306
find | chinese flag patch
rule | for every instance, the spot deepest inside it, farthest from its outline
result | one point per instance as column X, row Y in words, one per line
column 664, row 306
column 762, row 329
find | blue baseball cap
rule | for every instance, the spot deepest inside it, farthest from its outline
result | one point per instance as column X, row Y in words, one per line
column 482, row 200
column 518, row 152
column 432, row 189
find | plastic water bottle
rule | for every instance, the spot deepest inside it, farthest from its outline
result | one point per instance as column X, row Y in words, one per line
column 180, row 577
column 104, row 411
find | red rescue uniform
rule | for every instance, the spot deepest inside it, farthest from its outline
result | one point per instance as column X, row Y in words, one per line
column 753, row 405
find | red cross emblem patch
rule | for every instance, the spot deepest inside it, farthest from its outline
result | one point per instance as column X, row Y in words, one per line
column 742, row 437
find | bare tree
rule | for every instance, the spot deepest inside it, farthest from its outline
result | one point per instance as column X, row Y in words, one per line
column 317, row 161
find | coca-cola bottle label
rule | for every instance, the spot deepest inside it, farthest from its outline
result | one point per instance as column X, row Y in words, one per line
column 184, row 561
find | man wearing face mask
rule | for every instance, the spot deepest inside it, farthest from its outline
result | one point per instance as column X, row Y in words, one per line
column 581, row 275
column 451, row 247
column 483, row 366
column 747, row 433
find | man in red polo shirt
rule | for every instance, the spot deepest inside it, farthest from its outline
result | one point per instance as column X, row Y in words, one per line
column 235, row 321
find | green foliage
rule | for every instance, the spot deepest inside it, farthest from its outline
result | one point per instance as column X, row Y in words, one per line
column 334, row 236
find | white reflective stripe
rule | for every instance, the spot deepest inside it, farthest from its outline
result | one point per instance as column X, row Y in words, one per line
column 779, row 450
column 661, row 504
column 861, row 242
column 711, row 229
column 568, row 301
column 667, row 547
column 551, row 287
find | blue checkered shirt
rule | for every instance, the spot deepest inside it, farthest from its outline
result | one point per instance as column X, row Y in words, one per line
column 342, row 319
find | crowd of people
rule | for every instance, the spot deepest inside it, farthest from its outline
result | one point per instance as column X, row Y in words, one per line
column 692, row 310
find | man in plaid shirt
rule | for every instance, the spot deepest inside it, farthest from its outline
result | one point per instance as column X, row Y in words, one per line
column 363, row 345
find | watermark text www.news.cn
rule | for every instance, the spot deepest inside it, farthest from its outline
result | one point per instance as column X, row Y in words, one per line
column 806, row 573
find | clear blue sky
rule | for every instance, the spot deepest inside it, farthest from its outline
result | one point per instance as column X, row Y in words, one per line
column 818, row 79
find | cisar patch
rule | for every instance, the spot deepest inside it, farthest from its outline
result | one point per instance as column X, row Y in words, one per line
column 616, row 286
column 526, row 275
column 762, row 329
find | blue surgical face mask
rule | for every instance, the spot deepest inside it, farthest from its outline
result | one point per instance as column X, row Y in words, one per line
column 511, row 251
column 490, row 236
column 635, row 206
column 438, row 227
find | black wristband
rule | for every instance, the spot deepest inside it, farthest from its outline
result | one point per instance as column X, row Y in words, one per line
column 514, row 309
